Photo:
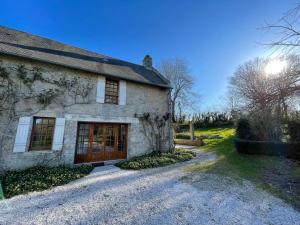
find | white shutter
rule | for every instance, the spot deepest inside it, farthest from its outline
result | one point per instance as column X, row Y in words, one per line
column 100, row 90
column 23, row 132
column 58, row 136
column 122, row 93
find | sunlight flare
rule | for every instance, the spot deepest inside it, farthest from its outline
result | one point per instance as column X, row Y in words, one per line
column 275, row 67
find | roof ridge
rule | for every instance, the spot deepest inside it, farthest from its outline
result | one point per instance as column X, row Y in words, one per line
column 57, row 41
column 69, row 45
column 24, row 44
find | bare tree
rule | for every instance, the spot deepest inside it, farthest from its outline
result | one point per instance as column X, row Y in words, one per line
column 181, row 81
column 266, row 99
column 286, row 31
column 257, row 91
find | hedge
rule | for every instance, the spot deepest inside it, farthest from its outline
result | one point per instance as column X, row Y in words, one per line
column 289, row 150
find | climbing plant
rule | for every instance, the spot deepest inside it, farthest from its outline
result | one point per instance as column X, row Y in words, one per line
column 154, row 128
column 26, row 91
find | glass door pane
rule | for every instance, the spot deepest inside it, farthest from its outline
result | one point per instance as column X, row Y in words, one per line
column 110, row 138
column 97, row 144
column 83, row 139
column 122, row 137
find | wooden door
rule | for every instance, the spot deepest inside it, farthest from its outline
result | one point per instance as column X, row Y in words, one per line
column 96, row 151
column 99, row 142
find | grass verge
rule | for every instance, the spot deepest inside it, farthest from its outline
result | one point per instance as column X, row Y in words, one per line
column 40, row 178
column 277, row 175
column 155, row 160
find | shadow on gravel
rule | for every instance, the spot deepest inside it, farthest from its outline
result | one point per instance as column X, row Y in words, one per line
column 279, row 176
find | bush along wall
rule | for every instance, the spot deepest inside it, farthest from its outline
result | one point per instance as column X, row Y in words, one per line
column 40, row 178
column 289, row 150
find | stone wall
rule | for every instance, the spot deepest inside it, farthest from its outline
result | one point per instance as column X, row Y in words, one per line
column 140, row 98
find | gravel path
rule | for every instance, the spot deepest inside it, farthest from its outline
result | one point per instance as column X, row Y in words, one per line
column 164, row 195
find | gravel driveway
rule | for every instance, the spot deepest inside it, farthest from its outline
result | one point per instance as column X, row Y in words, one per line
column 164, row 195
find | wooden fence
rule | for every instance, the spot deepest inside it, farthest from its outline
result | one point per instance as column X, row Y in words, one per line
column 184, row 134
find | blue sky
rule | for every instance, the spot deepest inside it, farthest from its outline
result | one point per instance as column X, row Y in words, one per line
column 213, row 36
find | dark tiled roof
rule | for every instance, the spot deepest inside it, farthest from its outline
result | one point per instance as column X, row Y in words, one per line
column 26, row 45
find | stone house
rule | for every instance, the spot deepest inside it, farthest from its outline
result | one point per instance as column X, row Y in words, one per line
column 65, row 105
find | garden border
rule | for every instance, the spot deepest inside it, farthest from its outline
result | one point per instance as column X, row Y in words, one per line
column 286, row 149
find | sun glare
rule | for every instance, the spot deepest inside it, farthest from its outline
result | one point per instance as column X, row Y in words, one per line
column 274, row 67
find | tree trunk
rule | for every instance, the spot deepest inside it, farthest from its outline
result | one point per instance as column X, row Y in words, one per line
column 173, row 111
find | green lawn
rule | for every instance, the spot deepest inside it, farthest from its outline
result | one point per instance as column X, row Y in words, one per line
column 280, row 176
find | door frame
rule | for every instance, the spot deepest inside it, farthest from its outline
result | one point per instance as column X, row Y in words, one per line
column 106, row 155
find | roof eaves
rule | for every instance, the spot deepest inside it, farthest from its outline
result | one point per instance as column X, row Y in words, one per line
column 82, row 69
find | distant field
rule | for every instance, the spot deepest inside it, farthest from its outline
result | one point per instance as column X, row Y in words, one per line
column 278, row 175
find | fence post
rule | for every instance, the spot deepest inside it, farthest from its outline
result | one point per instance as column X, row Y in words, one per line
column 192, row 131
column 174, row 125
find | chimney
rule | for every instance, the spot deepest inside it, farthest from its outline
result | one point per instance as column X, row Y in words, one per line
column 147, row 62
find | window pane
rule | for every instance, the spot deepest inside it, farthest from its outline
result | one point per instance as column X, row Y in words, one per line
column 122, row 138
column 42, row 133
column 97, row 138
column 111, row 91
column 110, row 138
column 83, row 139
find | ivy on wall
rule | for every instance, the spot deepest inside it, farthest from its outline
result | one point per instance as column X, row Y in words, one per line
column 26, row 91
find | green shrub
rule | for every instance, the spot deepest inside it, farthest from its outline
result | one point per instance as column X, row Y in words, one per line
column 243, row 130
column 40, row 178
column 155, row 159
column 275, row 148
column 294, row 130
column 182, row 136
